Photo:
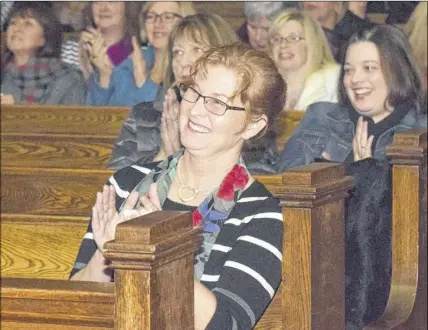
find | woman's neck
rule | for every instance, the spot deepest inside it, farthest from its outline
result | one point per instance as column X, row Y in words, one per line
column 113, row 35
column 295, row 81
column 21, row 59
column 201, row 172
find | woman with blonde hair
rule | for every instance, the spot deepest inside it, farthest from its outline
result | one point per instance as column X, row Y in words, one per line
column 151, row 129
column 416, row 30
column 302, row 55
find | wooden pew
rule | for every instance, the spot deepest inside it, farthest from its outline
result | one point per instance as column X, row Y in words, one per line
column 312, row 292
column 407, row 304
column 53, row 162
column 57, row 136
column 313, row 271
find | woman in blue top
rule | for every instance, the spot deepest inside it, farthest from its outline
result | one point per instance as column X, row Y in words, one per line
column 379, row 94
column 126, row 80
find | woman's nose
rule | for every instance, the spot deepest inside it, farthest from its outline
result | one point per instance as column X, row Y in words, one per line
column 357, row 76
column 198, row 108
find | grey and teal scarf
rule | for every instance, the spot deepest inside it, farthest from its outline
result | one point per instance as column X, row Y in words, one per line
column 35, row 78
column 212, row 212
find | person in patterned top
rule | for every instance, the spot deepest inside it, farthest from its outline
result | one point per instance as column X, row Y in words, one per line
column 232, row 95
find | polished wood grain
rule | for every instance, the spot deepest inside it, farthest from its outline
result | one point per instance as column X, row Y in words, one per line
column 50, row 191
column 407, row 304
column 153, row 286
column 74, row 305
column 39, row 246
column 154, row 277
column 231, row 11
column 62, row 119
column 55, row 151
column 312, row 291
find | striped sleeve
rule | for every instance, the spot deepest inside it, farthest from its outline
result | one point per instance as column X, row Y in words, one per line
column 124, row 182
column 244, row 269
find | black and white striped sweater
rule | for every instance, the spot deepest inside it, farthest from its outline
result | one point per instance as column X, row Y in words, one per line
column 244, row 267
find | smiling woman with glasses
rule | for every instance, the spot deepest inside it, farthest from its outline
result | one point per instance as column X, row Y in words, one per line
column 157, row 20
column 209, row 178
column 303, row 57
column 212, row 104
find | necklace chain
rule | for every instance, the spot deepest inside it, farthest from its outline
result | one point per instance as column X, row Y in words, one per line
column 184, row 187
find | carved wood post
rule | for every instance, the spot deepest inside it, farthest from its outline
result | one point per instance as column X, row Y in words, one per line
column 313, row 275
column 407, row 303
column 153, row 260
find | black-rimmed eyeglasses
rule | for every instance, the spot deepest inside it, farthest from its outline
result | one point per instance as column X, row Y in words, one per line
column 166, row 17
column 212, row 104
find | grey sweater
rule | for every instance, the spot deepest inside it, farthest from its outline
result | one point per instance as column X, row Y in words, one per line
column 69, row 89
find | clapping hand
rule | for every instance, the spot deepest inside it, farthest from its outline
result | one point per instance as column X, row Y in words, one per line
column 93, row 43
column 169, row 124
column 361, row 144
column 140, row 72
column 105, row 218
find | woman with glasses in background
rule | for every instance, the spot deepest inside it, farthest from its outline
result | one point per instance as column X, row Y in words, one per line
column 151, row 129
column 226, row 101
column 131, row 74
column 304, row 59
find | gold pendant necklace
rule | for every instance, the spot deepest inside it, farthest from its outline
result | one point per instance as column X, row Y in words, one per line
column 192, row 192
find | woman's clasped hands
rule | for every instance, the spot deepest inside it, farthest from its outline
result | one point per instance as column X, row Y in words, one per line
column 105, row 218
column 361, row 144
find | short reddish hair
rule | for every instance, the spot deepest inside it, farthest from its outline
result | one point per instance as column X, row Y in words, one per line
column 261, row 88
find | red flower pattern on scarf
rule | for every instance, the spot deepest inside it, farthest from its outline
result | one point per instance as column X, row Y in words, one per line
column 236, row 179
column 197, row 218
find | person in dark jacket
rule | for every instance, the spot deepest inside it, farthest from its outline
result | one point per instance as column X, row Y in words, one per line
column 380, row 94
column 151, row 130
column 338, row 22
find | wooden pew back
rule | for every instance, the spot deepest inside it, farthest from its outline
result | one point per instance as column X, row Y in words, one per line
column 53, row 162
column 72, row 137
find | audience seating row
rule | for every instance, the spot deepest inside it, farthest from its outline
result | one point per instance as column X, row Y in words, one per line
column 45, row 212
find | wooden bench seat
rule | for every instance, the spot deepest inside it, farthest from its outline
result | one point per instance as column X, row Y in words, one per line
column 43, row 247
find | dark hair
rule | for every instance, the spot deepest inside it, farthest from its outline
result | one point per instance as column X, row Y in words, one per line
column 397, row 63
column 52, row 29
column 132, row 10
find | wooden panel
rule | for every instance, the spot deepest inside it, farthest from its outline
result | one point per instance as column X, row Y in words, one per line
column 51, row 192
column 407, row 303
column 63, row 119
column 272, row 317
column 231, row 11
column 38, row 247
column 55, row 151
column 54, row 302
